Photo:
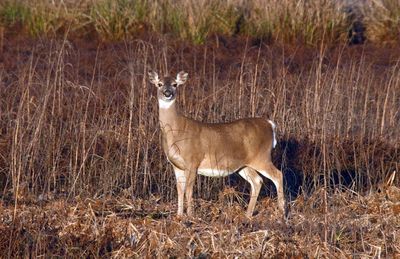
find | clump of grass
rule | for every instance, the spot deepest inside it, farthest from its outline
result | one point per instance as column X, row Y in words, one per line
column 12, row 14
column 382, row 21
column 39, row 17
column 306, row 22
column 196, row 20
column 115, row 20
column 45, row 19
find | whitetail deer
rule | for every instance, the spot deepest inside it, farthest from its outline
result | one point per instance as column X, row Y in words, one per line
column 214, row 149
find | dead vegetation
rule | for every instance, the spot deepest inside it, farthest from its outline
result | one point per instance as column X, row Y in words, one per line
column 82, row 173
column 121, row 227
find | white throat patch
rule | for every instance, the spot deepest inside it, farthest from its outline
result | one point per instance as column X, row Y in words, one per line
column 164, row 104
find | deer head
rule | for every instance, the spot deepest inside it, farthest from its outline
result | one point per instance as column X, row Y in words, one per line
column 166, row 87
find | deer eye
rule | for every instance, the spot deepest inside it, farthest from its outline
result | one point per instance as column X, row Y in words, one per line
column 174, row 84
column 160, row 84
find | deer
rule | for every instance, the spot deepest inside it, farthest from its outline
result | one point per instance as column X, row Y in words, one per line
column 193, row 147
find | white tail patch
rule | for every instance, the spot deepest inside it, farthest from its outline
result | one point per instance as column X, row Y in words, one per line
column 274, row 142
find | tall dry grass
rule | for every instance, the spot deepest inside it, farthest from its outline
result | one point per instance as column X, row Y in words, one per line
column 309, row 22
column 85, row 123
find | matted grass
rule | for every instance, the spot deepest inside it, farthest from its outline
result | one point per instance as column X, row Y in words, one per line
column 119, row 227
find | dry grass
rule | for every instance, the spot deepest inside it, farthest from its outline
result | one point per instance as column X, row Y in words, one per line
column 88, row 124
column 358, row 226
column 309, row 22
column 382, row 21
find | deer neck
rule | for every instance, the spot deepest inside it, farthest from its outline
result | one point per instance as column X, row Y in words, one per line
column 169, row 116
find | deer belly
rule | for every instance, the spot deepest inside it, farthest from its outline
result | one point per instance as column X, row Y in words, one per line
column 214, row 172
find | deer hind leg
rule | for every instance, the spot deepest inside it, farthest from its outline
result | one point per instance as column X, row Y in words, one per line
column 255, row 181
column 269, row 171
column 180, row 186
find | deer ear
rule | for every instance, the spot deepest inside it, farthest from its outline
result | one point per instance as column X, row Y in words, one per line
column 153, row 77
column 181, row 77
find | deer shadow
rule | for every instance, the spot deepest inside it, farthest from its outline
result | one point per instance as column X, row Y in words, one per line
column 291, row 156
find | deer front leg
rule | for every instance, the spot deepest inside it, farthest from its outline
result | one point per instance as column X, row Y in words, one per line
column 180, row 186
column 190, row 179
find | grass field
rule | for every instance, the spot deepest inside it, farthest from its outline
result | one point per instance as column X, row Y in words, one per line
column 309, row 22
column 82, row 172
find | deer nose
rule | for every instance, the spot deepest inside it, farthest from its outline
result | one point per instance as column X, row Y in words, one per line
column 167, row 93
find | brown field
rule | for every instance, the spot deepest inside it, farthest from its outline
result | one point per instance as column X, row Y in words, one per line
column 82, row 173
column 354, row 226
